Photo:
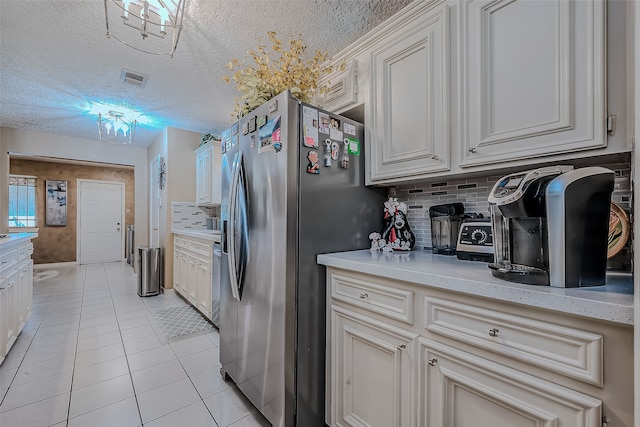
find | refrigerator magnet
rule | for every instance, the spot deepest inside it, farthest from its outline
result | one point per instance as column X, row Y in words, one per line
column 349, row 129
column 262, row 120
column 234, row 129
column 253, row 141
column 245, row 128
column 270, row 136
column 344, row 161
column 335, row 150
column 324, row 124
column 327, row 153
column 252, row 124
column 273, row 106
column 353, row 146
column 312, row 166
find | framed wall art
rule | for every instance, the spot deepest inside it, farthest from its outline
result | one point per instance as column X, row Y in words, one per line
column 56, row 204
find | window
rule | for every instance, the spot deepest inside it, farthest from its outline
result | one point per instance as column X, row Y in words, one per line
column 22, row 201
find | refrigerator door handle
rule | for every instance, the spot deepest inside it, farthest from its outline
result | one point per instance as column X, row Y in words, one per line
column 232, row 238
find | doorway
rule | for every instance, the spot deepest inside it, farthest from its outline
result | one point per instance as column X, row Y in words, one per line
column 100, row 221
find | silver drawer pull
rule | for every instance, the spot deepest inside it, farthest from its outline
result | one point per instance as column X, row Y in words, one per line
column 432, row 362
column 472, row 150
column 363, row 296
column 493, row 332
column 401, row 347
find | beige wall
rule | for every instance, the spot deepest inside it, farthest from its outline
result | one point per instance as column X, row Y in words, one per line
column 176, row 147
column 58, row 244
column 59, row 146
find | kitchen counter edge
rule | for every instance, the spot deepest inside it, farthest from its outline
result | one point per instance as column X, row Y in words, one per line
column 199, row 235
column 612, row 302
column 17, row 237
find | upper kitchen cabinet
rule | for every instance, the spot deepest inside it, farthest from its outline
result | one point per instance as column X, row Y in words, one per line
column 408, row 111
column 532, row 79
column 208, row 162
column 341, row 87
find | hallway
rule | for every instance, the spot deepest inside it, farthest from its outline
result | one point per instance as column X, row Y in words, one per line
column 90, row 355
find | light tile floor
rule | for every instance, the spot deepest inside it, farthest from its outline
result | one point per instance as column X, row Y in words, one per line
column 89, row 356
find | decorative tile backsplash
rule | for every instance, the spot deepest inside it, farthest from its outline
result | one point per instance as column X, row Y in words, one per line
column 473, row 193
column 189, row 216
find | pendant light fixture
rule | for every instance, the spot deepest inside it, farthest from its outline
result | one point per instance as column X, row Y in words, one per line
column 140, row 19
column 114, row 128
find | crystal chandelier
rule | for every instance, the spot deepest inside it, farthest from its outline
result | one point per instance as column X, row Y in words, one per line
column 161, row 19
column 114, row 128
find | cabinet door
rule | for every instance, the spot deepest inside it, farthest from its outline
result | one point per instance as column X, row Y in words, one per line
column 192, row 280
column 3, row 319
column 533, row 78
column 462, row 390
column 410, row 97
column 216, row 173
column 342, row 88
column 203, row 175
column 177, row 254
column 204, row 287
column 26, row 292
column 21, row 295
column 372, row 378
column 184, row 274
column 12, row 301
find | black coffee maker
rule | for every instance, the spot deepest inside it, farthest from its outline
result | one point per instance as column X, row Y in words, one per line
column 550, row 226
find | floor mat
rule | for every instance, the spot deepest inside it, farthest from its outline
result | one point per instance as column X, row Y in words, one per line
column 178, row 322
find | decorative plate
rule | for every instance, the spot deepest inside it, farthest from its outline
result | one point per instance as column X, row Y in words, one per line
column 619, row 230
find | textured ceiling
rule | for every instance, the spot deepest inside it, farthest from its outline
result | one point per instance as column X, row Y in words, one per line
column 56, row 61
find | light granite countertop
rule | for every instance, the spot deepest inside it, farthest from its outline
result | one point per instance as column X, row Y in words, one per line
column 612, row 302
column 213, row 235
column 16, row 237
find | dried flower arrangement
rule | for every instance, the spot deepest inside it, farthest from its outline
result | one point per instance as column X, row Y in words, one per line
column 291, row 69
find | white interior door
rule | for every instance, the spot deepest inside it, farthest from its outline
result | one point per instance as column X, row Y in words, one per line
column 154, row 204
column 100, row 218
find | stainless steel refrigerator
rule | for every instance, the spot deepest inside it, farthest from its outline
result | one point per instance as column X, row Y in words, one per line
column 292, row 188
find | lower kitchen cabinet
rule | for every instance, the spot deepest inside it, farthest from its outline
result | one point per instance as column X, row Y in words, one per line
column 192, row 272
column 16, row 290
column 459, row 389
column 404, row 354
column 372, row 379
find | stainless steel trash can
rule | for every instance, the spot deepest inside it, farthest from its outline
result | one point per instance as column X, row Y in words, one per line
column 149, row 271
column 130, row 252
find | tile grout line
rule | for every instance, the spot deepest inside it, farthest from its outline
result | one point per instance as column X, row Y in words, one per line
column 75, row 355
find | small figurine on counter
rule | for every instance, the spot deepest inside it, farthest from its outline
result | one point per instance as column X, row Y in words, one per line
column 397, row 232
column 377, row 243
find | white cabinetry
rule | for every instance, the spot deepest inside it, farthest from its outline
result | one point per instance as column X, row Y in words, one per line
column 410, row 99
column 342, row 87
column 533, row 78
column 208, row 186
column 16, row 290
column 192, row 274
column 458, row 388
column 464, row 86
column 373, row 374
column 403, row 354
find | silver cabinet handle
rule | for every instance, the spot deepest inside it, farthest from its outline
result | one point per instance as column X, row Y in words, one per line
column 363, row 296
column 472, row 150
column 493, row 332
column 432, row 362
column 434, row 157
column 401, row 347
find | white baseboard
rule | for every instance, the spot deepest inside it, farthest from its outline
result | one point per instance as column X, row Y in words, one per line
column 56, row 264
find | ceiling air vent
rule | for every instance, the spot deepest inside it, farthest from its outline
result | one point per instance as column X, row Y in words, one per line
column 133, row 78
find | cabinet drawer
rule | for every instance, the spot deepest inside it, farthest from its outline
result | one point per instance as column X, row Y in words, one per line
column 570, row 352
column 25, row 251
column 200, row 248
column 376, row 297
column 8, row 260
